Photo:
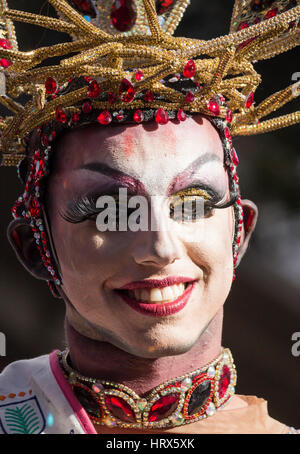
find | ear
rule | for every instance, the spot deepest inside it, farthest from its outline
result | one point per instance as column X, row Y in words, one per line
column 250, row 218
column 21, row 238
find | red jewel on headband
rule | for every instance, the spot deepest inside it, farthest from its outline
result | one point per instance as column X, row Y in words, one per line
column 126, row 91
column 234, row 157
column 161, row 117
column 123, row 15
column 273, row 12
column 213, row 106
column 189, row 69
column 249, row 100
column 181, row 116
column 138, row 116
column 60, row 115
column 94, row 89
column 149, row 96
column 51, row 86
column 229, row 116
column 5, row 45
column 139, row 75
column 75, row 118
column 189, row 97
column 87, row 107
column 112, row 97
column 104, row 118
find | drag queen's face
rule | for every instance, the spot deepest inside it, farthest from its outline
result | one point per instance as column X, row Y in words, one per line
column 149, row 161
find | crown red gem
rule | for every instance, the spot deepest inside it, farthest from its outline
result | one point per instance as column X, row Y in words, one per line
column 189, row 69
column 87, row 107
column 139, row 75
column 234, row 157
column 181, row 116
column 112, row 97
column 5, row 45
column 126, row 91
column 85, row 6
column 104, row 118
column 60, row 115
column 51, row 86
column 273, row 12
column 123, row 15
column 213, row 106
column 138, row 116
column 163, row 6
column 229, row 116
column 149, row 96
column 189, row 97
column 249, row 100
column 94, row 89
column 161, row 117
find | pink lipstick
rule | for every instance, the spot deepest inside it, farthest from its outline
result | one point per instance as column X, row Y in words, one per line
column 158, row 309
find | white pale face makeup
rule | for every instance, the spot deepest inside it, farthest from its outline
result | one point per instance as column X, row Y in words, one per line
column 156, row 162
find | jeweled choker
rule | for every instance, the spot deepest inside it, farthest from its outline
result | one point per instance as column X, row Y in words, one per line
column 179, row 401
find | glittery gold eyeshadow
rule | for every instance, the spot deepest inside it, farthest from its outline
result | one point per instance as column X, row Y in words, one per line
column 84, row 207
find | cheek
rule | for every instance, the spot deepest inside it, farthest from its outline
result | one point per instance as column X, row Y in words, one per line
column 212, row 245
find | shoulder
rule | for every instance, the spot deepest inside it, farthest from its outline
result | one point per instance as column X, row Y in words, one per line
column 16, row 377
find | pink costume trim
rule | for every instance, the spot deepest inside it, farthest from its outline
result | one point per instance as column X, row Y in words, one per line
column 78, row 409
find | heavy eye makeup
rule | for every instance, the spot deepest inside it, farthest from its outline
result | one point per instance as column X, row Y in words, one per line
column 84, row 208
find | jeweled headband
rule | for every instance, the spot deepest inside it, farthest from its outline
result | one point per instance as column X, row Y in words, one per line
column 126, row 66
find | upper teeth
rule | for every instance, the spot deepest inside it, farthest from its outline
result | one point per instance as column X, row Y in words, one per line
column 158, row 294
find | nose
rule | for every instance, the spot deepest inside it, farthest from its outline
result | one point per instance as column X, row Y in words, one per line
column 158, row 247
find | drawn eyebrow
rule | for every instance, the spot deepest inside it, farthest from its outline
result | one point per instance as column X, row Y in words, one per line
column 123, row 177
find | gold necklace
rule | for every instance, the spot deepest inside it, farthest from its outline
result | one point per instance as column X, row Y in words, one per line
column 179, row 401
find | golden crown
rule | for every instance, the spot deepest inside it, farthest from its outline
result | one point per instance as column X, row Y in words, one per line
column 125, row 56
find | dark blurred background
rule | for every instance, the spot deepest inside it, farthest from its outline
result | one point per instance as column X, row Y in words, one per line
column 263, row 308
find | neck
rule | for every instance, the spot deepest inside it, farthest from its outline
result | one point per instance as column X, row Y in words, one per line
column 104, row 361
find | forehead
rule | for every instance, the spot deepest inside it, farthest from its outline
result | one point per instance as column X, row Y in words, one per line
column 143, row 144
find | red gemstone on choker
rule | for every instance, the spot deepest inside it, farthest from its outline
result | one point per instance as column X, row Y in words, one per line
column 104, row 118
column 123, row 15
column 119, row 408
column 224, row 381
column 51, row 86
column 163, row 407
column 189, row 69
column 94, row 89
column 161, row 117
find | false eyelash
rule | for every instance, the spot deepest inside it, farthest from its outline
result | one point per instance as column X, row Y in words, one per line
column 85, row 207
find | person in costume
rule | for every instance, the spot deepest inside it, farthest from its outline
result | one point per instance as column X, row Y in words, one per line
column 130, row 107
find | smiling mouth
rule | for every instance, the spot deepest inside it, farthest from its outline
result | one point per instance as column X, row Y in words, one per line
column 156, row 295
